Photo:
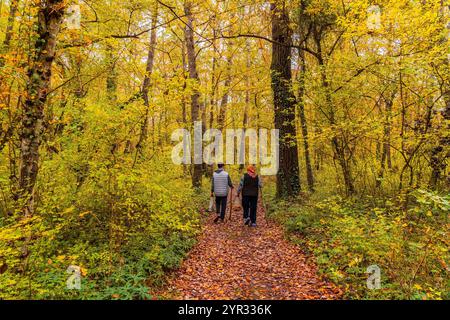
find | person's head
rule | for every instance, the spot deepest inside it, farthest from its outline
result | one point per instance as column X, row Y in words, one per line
column 251, row 170
column 220, row 165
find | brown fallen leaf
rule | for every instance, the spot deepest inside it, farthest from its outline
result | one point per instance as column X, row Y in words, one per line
column 232, row 261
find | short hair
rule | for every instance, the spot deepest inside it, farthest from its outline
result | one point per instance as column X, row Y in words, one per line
column 220, row 165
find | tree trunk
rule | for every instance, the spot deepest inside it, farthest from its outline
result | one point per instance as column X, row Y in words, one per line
column 288, row 180
column 184, row 118
column 193, row 75
column 222, row 114
column 212, row 100
column 386, row 146
column 304, row 124
column 10, row 26
column 245, row 119
column 111, row 79
column 337, row 144
column 441, row 152
column 147, row 81
column 50, row 17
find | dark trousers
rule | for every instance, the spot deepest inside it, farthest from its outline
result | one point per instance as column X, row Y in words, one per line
column 250, row 204
column 221, row 206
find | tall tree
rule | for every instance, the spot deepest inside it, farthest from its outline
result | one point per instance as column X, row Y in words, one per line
column 288, row 179
column 50, row 17
column 10, row 26
column 441, row 152
column 222, row 114
column 303, row 121
column 303, row 26
column 147, row 79
column 111, row 78
column 193, row 75
column 386, row 158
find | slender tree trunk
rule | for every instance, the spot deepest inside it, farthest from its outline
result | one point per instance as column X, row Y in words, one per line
column 147, row 81
column 10, row 25
column 50, row 17
column 336, row 143
column 6, row 135
column 185, row 71
column 304, row 124
column 193, row 75
column 386, row 146
column 222, row 115
column 441, row 152
column 388, row 128
column 111, row 79
column 387, row 142
column 184, row 118
column 288, row 179
column 212, row 99
column 403, row 125
column 245, row 119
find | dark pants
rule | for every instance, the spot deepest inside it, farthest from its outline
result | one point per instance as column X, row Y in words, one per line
column 221, row 206
column 250, row 204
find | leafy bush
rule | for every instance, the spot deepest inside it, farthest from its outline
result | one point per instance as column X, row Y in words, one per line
column 123, row 218
column 347, row 236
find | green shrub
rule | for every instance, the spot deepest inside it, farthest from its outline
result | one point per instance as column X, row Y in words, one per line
column 346, row 236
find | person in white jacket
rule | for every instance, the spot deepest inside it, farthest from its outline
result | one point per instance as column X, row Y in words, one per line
column 220, row 187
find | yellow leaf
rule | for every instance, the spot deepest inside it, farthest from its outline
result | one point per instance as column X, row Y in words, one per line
column 417, row 287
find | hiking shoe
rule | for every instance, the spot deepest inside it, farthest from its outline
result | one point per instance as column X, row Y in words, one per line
column 246, row 221
column 253, row 225
column 216, row 220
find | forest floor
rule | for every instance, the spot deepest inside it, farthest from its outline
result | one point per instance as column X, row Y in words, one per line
column 233, row 261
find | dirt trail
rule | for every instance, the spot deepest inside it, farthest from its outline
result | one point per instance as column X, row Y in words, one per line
column 233, row 261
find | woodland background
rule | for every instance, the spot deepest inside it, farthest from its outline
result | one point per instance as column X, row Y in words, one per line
column 362, row 101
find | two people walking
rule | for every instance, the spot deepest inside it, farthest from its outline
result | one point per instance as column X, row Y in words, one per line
column 249, row 186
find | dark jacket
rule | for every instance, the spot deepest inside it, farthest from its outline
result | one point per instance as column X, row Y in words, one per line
column 249, row 186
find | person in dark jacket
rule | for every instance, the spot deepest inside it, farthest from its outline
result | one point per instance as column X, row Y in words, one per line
column 220, row 187
column 249, row 186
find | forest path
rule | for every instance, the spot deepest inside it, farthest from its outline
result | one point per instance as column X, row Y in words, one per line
column 233, row 261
